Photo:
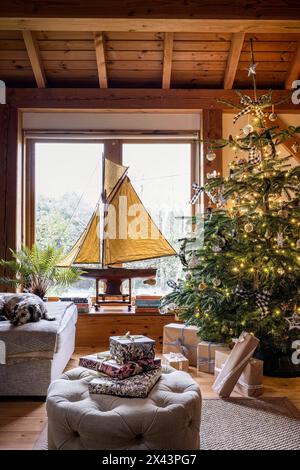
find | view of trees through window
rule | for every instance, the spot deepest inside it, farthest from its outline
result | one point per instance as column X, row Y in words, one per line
column 161, row 175
column 68, row 186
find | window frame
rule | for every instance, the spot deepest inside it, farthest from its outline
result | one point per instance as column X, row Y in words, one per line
column 112, row 149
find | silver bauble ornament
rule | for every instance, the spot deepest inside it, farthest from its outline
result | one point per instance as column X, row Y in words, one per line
column 211, row 155
column 247, row 129
column 216, row 248
column 280, row 239
column 298, row 244
column 217, row 282
column 193, row 262
column 272, row 117
column 248, row 227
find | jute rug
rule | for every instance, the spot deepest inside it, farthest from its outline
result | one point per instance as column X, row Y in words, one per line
column 250, row 424
column 241, row 424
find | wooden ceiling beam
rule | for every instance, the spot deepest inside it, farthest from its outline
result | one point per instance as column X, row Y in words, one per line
column 149, row 24
column 167, row 63
column 213, row 9
column 133, row 100
column 100, row 58
column 294, row 70
column 237, row 42
column 35, row 58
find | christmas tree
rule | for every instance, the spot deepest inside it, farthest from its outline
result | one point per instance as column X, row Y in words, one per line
column 246, row 273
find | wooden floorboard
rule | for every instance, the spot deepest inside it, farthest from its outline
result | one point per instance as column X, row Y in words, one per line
column 21, row 420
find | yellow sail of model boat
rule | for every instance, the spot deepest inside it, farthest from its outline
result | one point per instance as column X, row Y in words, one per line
column 124, row 233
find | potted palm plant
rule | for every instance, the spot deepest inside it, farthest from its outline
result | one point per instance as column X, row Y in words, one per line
column 35, row 270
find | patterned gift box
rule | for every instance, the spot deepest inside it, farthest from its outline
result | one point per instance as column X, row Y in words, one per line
column 179, row 338
column 102, row 362
column 137, row 386
column 176, row 360
column 206, row 355
column 250, row 382
column 131, row 348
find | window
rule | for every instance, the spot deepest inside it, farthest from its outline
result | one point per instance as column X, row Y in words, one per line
column 68, row 180
column 67, row 183
column 161, row 175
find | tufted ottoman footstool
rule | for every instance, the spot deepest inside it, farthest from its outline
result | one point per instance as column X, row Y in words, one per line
column 169, row 418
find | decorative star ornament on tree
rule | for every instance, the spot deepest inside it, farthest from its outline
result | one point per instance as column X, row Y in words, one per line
column 252, row 70
column 294, row 321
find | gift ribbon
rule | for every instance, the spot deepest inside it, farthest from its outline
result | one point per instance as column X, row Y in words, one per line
column 242, row 383
column 210, row 361
column 177, row 357
column 181, row 343
column 261, row 299
column 130, row 337
column 253, row 106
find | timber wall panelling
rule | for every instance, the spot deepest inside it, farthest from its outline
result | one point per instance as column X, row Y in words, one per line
column 10, row 180
column 93, row 330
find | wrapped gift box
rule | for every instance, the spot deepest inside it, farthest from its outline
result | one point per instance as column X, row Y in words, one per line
column 137, row 386
column 206, row 355
column 179, row 338
column 131, row 348
column 250, row 382
column 102, row 362
column 235, row 364
column 176, row 360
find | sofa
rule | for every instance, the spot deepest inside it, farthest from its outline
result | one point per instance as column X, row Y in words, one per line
column 35, row 354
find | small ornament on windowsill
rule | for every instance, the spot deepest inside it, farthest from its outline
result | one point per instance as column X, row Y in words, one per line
column 273, row 116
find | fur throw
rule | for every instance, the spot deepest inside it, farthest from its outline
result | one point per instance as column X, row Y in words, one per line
column 22, row 308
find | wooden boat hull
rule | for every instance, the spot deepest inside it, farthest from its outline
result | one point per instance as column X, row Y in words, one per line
column 121, row 274
column 113, row 278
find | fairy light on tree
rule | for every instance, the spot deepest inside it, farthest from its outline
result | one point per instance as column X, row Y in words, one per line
column 246, row 275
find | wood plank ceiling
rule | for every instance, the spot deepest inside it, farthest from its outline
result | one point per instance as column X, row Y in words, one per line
column 146, row 59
